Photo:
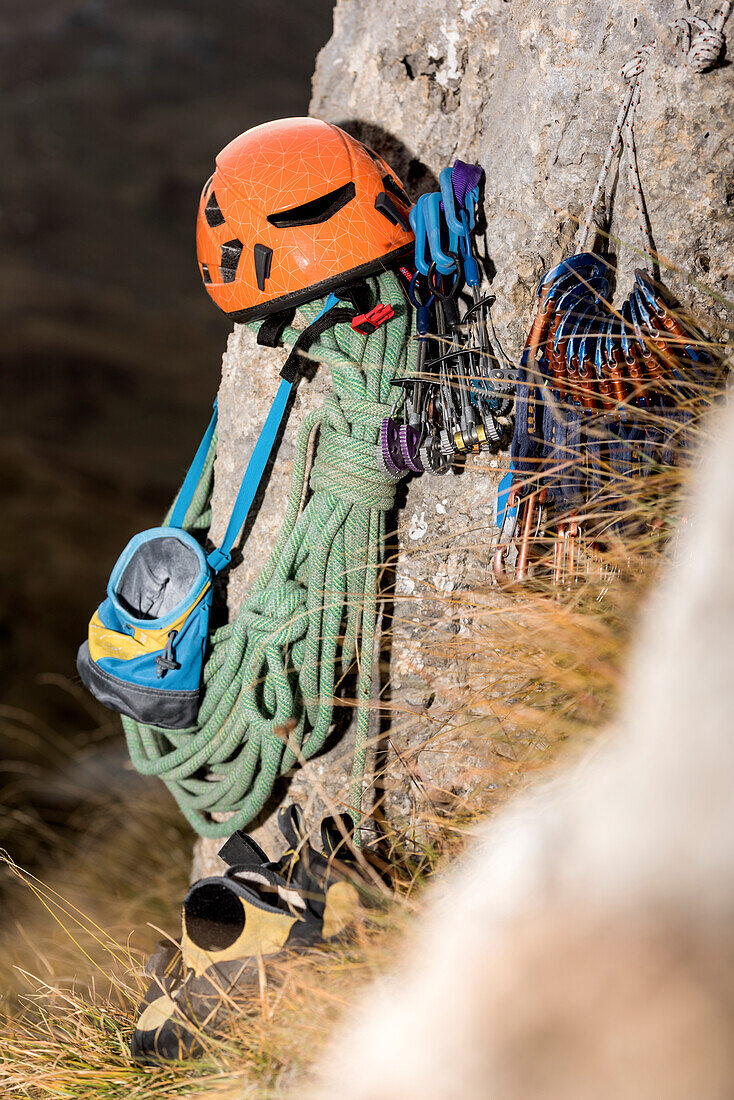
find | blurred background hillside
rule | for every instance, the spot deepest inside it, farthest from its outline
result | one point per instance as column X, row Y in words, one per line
column 111, row 114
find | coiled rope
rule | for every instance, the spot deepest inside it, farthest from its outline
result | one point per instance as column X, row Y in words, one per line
column 312, row 612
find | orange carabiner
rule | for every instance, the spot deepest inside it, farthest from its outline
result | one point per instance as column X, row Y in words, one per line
column 526, row 513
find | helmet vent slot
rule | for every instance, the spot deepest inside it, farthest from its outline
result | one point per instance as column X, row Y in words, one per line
column 376, row 158
column 395, row 189
column 385, row 205
column 316, row 211
column 212, row 213
column 231, row 252
column 263, row 258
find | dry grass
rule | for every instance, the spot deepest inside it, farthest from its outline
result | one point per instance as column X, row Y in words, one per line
column 63, row 1036
column 541, row 669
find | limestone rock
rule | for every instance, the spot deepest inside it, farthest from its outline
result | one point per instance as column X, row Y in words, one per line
column 530, row 91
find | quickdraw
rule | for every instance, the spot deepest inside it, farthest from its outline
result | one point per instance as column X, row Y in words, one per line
column 459, row 398
column 604, row 394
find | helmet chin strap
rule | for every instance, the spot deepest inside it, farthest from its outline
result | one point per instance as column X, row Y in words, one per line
column 292, row 369
column 270, row 333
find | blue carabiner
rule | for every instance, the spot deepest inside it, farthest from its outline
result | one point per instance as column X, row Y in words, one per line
column 445, row 261
column 471, row 204
column 418, row 225
column 423, row 309
column 471, row 267
column 449, row 201
column 461, row 221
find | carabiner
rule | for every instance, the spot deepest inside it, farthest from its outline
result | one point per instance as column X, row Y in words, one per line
column 423, row 309
column 526, row 515
column 418, row 225
column 444, row 296
column 565, row 553
column 471, row 267
column 453, row 204
column 444, row 260
column 448, row 196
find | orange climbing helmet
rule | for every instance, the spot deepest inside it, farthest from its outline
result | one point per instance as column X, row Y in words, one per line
column 296, row 208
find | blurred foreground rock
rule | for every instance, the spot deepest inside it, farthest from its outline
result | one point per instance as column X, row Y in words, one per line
column 530, row 92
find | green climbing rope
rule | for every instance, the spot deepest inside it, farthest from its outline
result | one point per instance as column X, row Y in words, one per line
column 312, row 612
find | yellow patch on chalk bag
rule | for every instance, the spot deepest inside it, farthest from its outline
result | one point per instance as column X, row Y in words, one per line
column 104, row 642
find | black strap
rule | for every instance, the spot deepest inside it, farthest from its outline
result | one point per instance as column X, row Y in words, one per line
column 337, row 836
column 270, row 333
column 358, row 293
column 242, row 851
column 290, row 823
column 292, row 368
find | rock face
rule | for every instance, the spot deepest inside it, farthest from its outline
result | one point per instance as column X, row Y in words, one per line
column 530, row 91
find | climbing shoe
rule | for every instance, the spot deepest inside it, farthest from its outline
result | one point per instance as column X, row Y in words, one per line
column 257, row 910
column 331, row 880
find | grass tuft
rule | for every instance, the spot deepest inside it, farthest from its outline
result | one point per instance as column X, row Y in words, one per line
column 526, row 676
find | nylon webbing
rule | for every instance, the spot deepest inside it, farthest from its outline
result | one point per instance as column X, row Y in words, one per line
column 262, row 450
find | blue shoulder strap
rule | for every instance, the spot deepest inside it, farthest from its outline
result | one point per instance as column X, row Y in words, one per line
column 220, row 557
column 187, row 490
